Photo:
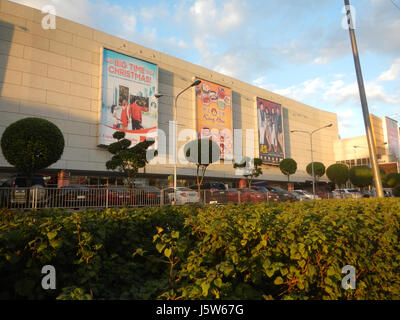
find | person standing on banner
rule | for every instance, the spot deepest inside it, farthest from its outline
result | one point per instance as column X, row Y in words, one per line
column 135, row 113
column 274, row 140
column 261, row 123
column 124, row 114
column 279, row 128
column 268, row 129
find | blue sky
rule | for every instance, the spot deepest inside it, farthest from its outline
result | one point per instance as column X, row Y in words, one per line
column 297, row 48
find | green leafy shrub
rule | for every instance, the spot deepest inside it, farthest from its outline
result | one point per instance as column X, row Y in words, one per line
column 32, row 144
column 338, row 173
column 392, row 180
column 319, row 169
column 249, row 251
column 361, row 176
column 396, row 191
column 288, row 167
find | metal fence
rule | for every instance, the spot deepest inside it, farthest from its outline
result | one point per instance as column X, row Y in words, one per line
column 86, row 197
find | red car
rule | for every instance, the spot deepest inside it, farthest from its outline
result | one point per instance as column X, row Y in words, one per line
column 120, row 196
column 248, row 196
column 233, row 195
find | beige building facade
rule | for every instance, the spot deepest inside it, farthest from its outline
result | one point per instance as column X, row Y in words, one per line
column 56, row 75
column 354, row 151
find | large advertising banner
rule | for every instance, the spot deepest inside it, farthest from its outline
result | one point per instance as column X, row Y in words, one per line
column 270, row 132
column 214, row 116
column 391, row 135
column 128, row 100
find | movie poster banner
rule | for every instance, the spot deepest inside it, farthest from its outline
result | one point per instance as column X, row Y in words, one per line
column 214, row 115
column 128, row 100
column 391, row 135
column 270, row 132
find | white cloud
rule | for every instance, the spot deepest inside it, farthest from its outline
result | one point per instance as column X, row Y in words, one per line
column 346, row 121
column 392, row 73
column 339, row 92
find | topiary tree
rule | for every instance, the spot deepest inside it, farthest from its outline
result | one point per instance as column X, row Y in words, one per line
column 392, row 180
column 32, row 144
column 202, row 153
column 129, row 160
column 251, row 169
column 361, row 176
column 288, row 167
column 338, row 173
column 396, row 191
column 319, row 169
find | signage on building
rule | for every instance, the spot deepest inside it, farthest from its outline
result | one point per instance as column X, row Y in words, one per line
column 128, row 100
column 270, row 132
column 391, row 135
column 214, row 115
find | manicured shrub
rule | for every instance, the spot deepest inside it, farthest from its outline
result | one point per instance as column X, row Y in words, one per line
column 257, row 251
column 396, row 191
column 392, row 180
column 288, row 167
column 338, row 173
column 32, row 144
column 361, row 176
column 319, row 169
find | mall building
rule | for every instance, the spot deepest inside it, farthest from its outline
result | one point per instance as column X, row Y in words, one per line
column 83, row 80
column 354, row 151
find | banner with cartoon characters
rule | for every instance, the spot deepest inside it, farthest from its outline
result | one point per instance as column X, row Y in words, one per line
column 128, row 100
column 270, row 131
column 214, row 115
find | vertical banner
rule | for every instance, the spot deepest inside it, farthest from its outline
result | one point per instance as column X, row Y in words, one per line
column 214, row 116
column 128, row 100
column 270, row 132
column 391, row 136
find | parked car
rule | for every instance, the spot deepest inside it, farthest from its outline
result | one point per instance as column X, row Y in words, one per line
column 147, row 195
column 269, row 194
column 388, row 192
column 346, row 193
column 298, row 196
column 251, row 196
column 308, row 195
column 20, row 191
column 183, row 195
column 283, row 195
column 214, row 192
column 368, row 193
column 119, row 196
column 233, row 195
column 73, row 196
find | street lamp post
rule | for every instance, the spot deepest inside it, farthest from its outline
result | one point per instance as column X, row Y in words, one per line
column 175, row 143
column 312, row 156
column 364, row 104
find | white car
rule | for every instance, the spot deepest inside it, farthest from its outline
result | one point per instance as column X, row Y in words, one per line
column 183, row 195
column 307, row 195
column 346, row 193
column 298, row 196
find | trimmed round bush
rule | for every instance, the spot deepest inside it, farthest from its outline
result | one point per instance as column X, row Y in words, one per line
column 288, row 167
column 32, row 144
column 319, row 169
column 392, row 179
column 338, row 173
column 361, row 176
column 396, row 191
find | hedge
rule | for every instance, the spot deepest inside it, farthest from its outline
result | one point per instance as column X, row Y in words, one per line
column 249, row 251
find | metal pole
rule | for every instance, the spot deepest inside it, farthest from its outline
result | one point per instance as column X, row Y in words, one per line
column 176, row 144
column 364, row 105
column 312, row 167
